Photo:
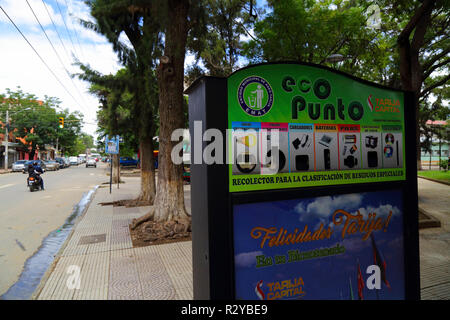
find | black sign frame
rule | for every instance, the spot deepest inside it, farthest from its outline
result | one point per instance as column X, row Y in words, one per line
column 212, row 203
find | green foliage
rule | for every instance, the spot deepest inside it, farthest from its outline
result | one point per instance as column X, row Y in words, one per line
column 311, row 31
column 129, row 99
column 36, row 121
column 219, row 46
column 444, row 164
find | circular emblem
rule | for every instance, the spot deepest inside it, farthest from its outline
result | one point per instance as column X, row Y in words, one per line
column 255, row 96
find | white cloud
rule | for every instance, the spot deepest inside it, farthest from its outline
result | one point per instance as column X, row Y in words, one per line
column 21, row 67
column 381, row 211
column 324, row 207
column 22, row 15
column 246, row 259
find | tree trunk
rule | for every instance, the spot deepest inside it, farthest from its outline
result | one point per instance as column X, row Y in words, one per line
column 31, row 154
column 148, row 183
column 115, row 168
column 169, row 202
column 410, row 68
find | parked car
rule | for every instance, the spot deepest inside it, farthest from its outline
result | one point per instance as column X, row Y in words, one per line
column 128, row 162
column 18, row 165
column 73, row 161
column 52, row 165
column 62, row 163
column 39, row 162
column 91, row 163
column 67, row 162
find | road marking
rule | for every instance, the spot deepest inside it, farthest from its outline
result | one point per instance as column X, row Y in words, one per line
column 6, row 185
column 91, row 174
column 20, row 245
column 46, row 197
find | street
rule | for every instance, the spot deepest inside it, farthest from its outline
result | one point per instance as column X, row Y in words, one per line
column 26, row 218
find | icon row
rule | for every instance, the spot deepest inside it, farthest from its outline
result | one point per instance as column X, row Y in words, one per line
column 316, row 151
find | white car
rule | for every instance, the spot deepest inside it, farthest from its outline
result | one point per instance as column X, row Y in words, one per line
column 73, row 161
column 91, row 163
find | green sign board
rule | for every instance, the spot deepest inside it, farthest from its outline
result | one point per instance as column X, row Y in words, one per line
column 331, row 129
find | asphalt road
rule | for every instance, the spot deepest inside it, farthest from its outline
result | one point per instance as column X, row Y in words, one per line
column 26, row 218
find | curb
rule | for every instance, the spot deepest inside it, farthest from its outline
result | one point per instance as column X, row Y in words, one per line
column 52, row 266
column 434, row 180
column 429, row 221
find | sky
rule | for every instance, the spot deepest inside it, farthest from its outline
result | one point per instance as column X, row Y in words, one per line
column 21, row 66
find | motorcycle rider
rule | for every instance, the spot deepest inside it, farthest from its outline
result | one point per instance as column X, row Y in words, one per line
column 34, row 170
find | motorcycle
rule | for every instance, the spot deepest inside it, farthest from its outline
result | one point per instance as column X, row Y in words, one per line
column 34, row 183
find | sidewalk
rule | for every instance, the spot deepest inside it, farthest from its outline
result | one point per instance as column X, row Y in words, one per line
column 110, row 268
column 434, row 199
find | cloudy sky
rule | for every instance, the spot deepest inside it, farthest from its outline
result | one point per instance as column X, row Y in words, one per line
column 20, row 65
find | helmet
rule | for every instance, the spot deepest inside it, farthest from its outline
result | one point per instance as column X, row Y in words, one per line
column 30, row 166
column 35, row 163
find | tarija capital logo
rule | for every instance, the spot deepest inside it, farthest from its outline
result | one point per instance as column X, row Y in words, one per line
column 383, row 105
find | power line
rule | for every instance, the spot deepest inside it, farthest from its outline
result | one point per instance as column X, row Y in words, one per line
column 76, row 34
column 67, row 29
column 59, row 58
column 43, row 61
column 57, row 32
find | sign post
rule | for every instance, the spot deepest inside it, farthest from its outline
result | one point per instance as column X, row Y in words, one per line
column 316, row 197
column 112, row 147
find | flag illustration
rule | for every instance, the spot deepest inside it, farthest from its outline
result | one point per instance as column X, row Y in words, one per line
column 360, row 284
column 351, row 290
column 379, row 261
column 259, row 291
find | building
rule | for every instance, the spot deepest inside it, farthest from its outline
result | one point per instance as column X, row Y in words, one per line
column 439, row 145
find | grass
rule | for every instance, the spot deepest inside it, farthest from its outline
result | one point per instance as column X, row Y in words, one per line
column 438, row 175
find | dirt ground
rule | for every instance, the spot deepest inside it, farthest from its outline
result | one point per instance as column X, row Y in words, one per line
column 152, row 233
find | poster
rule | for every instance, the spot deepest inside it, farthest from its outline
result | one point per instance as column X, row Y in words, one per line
column 332, row 129
column 320, row 248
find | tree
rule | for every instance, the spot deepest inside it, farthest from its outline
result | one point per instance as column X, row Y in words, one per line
column 177, row 18
column 423, row 46
column 311, row 31
column 34, row 122
column 219, row 48
column 113, row 19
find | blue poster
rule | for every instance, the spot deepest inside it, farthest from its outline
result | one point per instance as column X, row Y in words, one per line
column 342, row 247
column 112, row 145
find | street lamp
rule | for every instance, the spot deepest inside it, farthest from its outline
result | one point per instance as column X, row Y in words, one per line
column 335, row 58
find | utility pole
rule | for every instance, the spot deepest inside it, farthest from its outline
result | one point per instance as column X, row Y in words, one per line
column 56, row 153
column 6, row 139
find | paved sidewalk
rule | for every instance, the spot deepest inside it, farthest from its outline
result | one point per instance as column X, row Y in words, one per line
column 110, row 268
column 434, row 199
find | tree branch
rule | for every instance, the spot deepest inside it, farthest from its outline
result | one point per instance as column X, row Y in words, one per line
column 406, row 32
column 429, row 63
column 435, row 85
column 437, row 66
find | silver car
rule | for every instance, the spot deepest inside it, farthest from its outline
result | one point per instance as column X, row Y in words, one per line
column 51, row 165
column 91, row 163
column 18, row 165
